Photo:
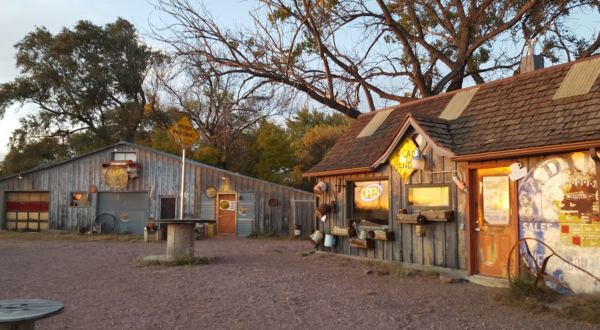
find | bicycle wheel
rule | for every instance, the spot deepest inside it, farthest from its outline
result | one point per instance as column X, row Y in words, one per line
column 107, row 221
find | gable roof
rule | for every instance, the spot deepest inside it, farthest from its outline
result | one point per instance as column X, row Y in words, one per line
column 132, row 145
column 511, row 117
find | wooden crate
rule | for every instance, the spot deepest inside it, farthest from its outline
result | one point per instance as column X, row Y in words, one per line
column 343, row 232
column 362, row 243
column 407, row 218
column 384, row 236
column 438, row 215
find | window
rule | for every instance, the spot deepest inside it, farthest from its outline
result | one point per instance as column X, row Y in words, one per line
column 80, row 199
column 125, row 156
column 371, row 201
column 428, row 197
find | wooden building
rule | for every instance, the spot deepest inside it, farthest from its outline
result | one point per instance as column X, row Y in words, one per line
column 503, row 161
column 129, row 185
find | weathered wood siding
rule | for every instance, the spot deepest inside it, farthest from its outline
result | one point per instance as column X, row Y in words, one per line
column 443, row 245
column 160, row 176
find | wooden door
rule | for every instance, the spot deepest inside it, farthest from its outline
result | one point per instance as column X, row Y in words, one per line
column 227, row 205
column 496, row 221
column 167, row 207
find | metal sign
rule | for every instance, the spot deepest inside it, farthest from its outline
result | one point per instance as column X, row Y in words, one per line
column 184, row 133
column 401, row 157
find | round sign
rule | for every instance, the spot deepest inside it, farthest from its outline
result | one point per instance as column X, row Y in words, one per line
column 210, row 192
column 116, row 177
column 124, row 216
column 93, row 189
column 244, row 210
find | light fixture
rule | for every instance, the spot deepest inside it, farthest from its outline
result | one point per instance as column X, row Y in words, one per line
column 223, row 177
column 418, row 161
column 115, row 149
column 19, row 177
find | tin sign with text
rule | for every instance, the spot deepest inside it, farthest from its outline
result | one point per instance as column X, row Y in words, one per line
column 184, row 133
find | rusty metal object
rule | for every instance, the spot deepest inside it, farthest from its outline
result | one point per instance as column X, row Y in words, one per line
column 540, row 271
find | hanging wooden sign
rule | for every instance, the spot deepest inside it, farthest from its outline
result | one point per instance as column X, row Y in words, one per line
column 401, row 157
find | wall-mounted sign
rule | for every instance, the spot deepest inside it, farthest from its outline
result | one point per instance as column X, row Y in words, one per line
column 227, row 205
column 496, row 206
column 124, row 216
column 244, row 210
column 371, row 192
column 183, row 132
column 558, row 204
column 210, row 192
column 401, row 157
column 116, row 177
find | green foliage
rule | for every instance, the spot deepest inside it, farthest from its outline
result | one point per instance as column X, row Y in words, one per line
column 86, row 82
column 275, row 158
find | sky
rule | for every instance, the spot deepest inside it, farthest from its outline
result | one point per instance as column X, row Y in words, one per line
column 19, row 17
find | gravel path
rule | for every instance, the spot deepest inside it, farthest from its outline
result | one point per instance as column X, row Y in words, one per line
column 252, row 284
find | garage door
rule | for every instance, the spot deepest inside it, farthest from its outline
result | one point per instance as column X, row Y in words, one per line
column 129, row 209
column 27, row 210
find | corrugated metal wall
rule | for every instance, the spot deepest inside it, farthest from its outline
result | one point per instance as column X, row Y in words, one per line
column 245, row 221
column 160, row 176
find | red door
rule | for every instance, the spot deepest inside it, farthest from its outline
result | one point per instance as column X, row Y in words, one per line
column 495, row 221
column 227, row 208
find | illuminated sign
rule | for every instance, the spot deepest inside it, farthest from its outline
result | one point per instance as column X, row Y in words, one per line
column 371, row 192
column 401, row 157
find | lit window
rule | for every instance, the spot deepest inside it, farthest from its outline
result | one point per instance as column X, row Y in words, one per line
column 371, row 201
column 428, row 197
column 80, row 199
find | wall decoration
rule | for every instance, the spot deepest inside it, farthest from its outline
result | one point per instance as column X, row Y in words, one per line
column 124, row 216
column 227, row 205
column 401, row 157
column 210, row 192
column 116, row 177
column 558, row 204
column 243, row 210
column 93, row 189
column 273, row 202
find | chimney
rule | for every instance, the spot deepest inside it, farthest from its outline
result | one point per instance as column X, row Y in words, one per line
column 531, row 62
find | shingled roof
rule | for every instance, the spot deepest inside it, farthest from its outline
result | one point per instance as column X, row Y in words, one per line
column 522, row 114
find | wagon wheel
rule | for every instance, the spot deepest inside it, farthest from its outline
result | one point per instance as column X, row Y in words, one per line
column 107, row 221
column 530, row 266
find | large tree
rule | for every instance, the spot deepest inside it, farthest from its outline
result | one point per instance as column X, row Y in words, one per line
column 343, row 52
column 88, row 79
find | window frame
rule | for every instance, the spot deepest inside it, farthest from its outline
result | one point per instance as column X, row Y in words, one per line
column 83, row 193
column 124, row 153
column 350, row 197
column 430, row 185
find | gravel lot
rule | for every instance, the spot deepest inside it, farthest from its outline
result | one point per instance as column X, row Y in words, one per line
column 252, row 284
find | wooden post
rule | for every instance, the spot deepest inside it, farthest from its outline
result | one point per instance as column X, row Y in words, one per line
column 181, row 238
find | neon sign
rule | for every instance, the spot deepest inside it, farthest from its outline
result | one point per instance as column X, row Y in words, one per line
column 371, row 192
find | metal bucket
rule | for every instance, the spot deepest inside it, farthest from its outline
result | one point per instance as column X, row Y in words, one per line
column 210, row 229
column 297, row 230
column 320, row 188
column 316, row 237
column 322, row 210
column 329, row 240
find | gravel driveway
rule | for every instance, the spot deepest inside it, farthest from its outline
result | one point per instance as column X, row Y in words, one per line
column 252, row 284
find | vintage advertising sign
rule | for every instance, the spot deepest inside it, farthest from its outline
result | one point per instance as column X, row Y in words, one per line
column 558, row 204
column 496, row 206
column 227, row 205
column 184, row 133
column 401, row 157
column 116, row 177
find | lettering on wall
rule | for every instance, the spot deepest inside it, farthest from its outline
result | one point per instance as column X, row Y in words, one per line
column 558, row 204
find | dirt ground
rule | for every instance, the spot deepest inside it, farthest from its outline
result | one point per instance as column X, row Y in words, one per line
column 251, row 284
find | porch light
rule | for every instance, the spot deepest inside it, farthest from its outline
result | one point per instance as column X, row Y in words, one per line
column 418, row 161
column 223, row 177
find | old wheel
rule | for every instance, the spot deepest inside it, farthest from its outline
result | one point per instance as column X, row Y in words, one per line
column 106, row 221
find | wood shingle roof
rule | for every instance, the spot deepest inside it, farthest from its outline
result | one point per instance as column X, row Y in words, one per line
column 515, row 113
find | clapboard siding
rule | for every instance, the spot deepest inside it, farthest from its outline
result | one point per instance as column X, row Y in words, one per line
column 160, row 176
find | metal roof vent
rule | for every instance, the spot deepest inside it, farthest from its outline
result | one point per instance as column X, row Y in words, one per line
column 375, row 122
column 458, row 104
column 579, row 79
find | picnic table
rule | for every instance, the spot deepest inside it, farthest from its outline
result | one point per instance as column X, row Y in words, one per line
column 21, row 314
column 181, row 235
